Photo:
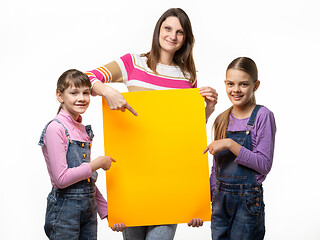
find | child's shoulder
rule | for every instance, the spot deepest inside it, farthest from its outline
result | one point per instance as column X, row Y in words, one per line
column 264, row 111
column 55, row 127
column 265, row 115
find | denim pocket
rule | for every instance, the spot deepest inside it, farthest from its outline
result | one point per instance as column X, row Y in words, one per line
column 253, row 201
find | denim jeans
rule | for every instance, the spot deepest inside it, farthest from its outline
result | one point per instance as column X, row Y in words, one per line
column 238, row 213
column 159, row 232
column 71, row 216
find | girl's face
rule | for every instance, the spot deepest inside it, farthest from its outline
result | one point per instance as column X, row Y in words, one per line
column 240, row 87
column 171, row 36
column 75, row 101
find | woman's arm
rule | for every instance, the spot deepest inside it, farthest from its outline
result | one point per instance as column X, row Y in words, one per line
column 109, row 73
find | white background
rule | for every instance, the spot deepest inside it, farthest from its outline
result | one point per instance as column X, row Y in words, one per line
column 41, row 39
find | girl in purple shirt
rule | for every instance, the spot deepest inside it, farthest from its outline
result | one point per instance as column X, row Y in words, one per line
column 243, row 149
column 74, row 200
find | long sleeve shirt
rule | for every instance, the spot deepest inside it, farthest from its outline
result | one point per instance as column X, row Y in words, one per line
column 55, row 150
column 133, row 71
column 263, row 138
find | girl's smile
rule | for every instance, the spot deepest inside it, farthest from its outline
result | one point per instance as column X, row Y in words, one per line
column 240, row 88
column 74, row 100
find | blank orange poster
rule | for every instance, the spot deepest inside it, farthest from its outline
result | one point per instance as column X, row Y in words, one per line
column 161, row 175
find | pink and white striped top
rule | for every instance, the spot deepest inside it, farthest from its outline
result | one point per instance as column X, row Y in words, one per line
column 133, row 71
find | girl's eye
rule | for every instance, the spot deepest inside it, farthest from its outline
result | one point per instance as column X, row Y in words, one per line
column 86, row 93
column 180, row 32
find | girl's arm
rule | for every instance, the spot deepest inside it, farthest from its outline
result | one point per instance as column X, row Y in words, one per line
column 56, row 144
column 101, row 205
column 261, row 157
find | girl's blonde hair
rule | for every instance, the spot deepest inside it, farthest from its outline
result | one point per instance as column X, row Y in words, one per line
column 72, row 77
column 183, row 58
column 221, row 123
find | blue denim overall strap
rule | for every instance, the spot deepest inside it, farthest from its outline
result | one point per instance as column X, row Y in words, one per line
column 229, row 172
column 41, row 143
column 78, row 152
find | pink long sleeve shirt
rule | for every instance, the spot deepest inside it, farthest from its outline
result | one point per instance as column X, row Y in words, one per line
column 55, row 150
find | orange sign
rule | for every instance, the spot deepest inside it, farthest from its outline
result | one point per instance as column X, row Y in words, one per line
column 161, row 175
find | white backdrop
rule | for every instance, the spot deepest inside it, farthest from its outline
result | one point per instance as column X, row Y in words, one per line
column 41, row 39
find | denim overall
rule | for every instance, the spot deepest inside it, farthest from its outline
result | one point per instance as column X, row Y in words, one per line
column 72, row 211
column 237, row 204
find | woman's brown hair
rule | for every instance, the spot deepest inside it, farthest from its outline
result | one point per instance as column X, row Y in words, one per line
column 183, row 58
column 221, row 123
column 72, row 77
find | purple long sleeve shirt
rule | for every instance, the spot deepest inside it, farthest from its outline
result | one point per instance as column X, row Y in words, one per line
column 263, row 137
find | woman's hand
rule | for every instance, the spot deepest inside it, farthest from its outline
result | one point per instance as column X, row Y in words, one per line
column 114, row 98
column 119, row 227
column 211, row 97
column 196, row 222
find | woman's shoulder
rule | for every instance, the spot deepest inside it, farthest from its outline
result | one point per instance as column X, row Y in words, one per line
column 135, row 59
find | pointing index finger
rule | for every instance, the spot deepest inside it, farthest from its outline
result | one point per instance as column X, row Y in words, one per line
column 206, row 150
column 131, row 109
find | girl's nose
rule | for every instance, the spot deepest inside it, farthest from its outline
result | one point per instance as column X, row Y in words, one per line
column 236, row 88
column 81, row 97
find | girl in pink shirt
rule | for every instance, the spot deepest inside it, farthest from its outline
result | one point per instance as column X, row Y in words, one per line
column 74, row 200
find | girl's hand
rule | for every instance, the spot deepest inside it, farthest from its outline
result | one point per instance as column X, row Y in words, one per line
column 103, row 162
column 217, row 146
column 210, row 95
column 119, row 227
column 114, row 98
column 106, row 162
column 223, row 144
column 196, row 222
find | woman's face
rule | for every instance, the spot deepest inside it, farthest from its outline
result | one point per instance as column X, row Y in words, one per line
column 171, row 36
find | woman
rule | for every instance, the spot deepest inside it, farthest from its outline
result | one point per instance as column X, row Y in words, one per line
column 168, row 65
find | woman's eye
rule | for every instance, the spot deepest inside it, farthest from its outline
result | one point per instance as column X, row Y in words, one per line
column 167, row 28
column 180, row 32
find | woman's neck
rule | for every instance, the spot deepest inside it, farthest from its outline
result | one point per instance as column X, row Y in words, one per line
column 166, row 58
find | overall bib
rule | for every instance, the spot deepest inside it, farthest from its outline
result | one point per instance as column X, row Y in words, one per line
column 72, row 211
column 237, row 204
